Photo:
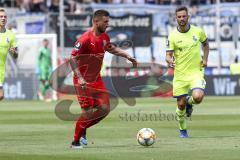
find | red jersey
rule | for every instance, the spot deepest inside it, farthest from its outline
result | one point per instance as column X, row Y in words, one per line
column 90, row 50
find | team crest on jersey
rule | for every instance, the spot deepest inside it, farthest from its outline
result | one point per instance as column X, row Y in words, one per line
column 104, row 42
column 7, row 40
column 194, row 38
column 77, row 46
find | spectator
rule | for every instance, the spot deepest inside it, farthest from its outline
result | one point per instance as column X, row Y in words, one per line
column 230, row 0
column 84, row 9
column 176, row 2
column 7, row 3
column 194, row 10
column 128, row 1
column 1, row 3
column 139, row 1
column 115, row 1
column 38, row 6
column 54, row 7
column 104, row 1
column 90, row 1
column 71, row 5
column 197, row 2
column 152, row 2
column 23, row 5
column 213, row 1
column 165, row 2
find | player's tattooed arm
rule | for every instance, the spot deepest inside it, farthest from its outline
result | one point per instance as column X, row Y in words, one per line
column 169, row 59
column 119, row 52
column 205, row 45
column 73, row 63
column 14, row 52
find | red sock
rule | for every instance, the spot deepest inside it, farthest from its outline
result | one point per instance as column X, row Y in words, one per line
column 85, row 122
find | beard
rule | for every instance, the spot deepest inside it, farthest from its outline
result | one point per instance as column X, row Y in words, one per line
column 3, row 23
column 101, row 29
column 182, row 23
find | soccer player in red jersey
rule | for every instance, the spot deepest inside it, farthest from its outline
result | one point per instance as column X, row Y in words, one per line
column 86, row 61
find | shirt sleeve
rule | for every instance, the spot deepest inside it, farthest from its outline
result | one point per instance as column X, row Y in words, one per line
column 106, row 42
column 170, row 43
column 202, row 36
column 80, row 47
column 107, row 38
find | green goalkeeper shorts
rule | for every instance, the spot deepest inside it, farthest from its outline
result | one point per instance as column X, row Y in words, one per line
column 44, row 75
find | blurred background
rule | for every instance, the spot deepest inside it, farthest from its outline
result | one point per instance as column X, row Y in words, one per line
column 139, row 26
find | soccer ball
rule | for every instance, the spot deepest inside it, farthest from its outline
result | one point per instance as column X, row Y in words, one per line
column 146, row 137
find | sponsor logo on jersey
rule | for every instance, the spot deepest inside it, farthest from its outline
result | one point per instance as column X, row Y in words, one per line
column 104, row 43
column 77, row 46
column 7, row 40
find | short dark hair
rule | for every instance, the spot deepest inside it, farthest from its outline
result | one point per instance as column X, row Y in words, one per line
column 181, row 8
column 100, row 13
column 2, row 10
column 45, row 39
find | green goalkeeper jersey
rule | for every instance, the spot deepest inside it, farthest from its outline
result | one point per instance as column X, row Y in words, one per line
column 7, row 41
column 187, row 52
column 44, row 59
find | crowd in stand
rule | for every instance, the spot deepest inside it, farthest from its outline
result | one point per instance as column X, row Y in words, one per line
column 70, row 5
column 39, row 5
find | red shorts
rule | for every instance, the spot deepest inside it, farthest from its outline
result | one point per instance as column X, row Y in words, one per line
column 95, row 94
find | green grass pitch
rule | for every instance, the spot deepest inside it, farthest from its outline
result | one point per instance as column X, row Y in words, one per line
column 30, row 130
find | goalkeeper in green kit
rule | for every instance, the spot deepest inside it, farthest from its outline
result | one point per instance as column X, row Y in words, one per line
column 44, row 66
